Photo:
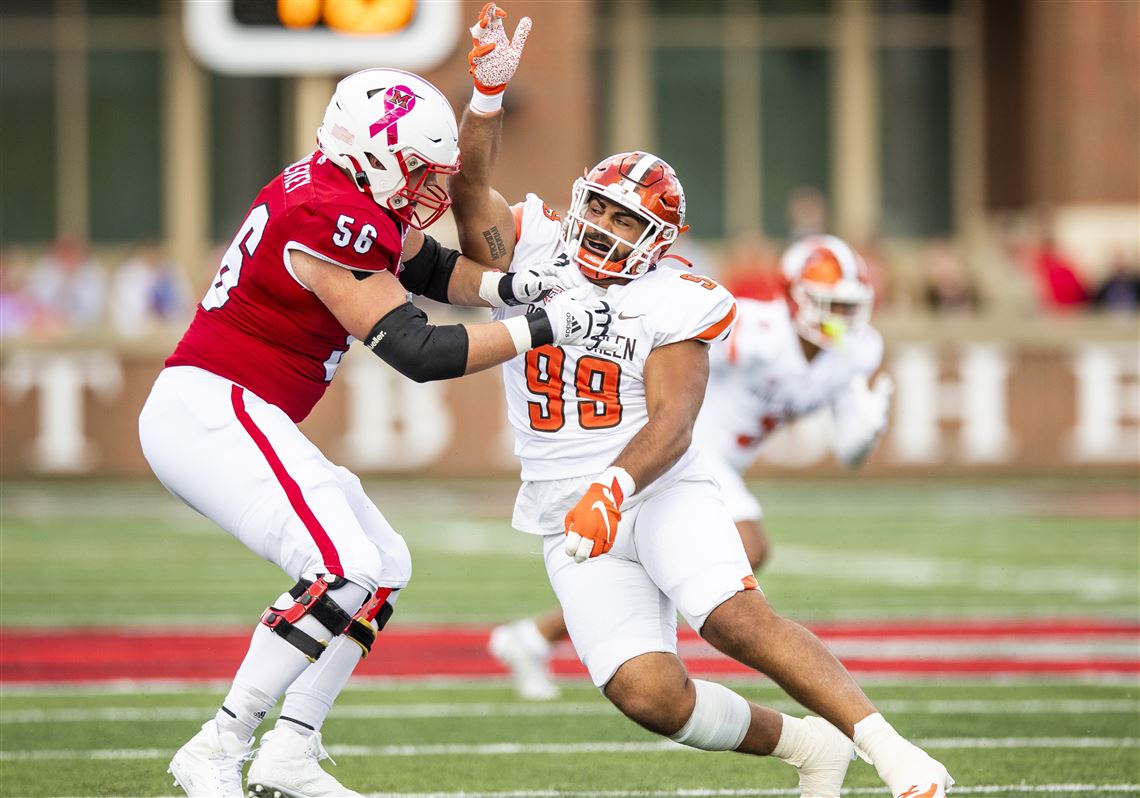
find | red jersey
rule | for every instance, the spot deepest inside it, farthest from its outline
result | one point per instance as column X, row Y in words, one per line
column 258, row 326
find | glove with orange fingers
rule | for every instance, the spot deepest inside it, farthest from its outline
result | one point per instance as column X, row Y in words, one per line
column 591, row 526
column 494, row 58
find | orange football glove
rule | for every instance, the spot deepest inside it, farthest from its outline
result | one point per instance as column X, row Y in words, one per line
column 493, row 58
column 591, row 525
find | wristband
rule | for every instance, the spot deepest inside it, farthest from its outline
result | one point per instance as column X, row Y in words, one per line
column 541, row 328
column 520, row 330
column 620, row 483
column 486, row 103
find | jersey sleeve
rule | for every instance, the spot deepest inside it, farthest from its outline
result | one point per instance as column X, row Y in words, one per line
column 537, row 230
column 352, row 237
column 700, row 309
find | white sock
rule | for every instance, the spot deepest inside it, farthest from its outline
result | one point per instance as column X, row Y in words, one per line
column 876, row 740
column 243, row 710
column 309, row 698
column 795, row 741
column 531, row 638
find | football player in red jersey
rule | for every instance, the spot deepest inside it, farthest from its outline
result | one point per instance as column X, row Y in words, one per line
column 634, row 529
column 327, row 253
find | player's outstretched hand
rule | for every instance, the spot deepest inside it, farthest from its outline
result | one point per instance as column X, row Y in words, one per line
column 591, row 525
column 494, row 58
column 580, row 322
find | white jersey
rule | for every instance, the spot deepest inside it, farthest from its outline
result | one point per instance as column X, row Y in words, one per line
column 760, row 379
column 574, row 409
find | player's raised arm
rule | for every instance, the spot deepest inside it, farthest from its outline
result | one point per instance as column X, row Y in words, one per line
column 482, row 215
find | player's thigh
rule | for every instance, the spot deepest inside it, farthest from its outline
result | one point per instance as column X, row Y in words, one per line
column 395, row 559
column 689, row 546
column 246, row 466
column 613, row 610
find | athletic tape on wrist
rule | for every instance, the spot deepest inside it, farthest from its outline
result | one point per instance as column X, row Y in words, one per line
column 519, row 328
column 489, row 289
column 625, row 484
column 486, row 103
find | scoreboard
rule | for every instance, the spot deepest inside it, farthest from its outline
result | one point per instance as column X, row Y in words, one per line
column 299, row 37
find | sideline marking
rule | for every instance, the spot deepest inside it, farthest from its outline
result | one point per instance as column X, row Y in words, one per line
column 364, row 683
column 564, row 709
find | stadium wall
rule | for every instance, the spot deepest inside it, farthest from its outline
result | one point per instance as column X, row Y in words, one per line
column 1063, row 396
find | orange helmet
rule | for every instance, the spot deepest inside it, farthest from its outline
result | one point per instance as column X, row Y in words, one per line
column 644, row 185
column 829, row 290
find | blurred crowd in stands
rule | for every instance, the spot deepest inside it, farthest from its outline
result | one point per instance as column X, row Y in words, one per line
column 64, row 290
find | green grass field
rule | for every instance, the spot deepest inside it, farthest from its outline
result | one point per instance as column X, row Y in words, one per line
column 126, row 554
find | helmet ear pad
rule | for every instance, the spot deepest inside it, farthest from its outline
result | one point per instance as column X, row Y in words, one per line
column 392, row 131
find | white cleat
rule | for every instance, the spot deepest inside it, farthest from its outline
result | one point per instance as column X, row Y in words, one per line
column 823, row 770
column 286, row 766
column 209, row 764
column 916, row 775
column 530, row 668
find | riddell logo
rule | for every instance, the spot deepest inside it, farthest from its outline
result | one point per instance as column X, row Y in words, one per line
column 375, row 340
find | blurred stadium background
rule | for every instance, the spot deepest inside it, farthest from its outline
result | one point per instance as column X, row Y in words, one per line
column 983, row 570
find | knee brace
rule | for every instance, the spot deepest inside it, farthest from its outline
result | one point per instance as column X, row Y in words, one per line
column 312, row 599
column 719, row 721
column 370, row 619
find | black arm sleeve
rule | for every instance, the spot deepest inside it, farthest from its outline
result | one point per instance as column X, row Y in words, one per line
column 429, row 272
column 420, row 351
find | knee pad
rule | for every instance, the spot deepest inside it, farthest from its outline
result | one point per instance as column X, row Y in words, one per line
column 719, row 721
column 370, row 619
column 311, row 600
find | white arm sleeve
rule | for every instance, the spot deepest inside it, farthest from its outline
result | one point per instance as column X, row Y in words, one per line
column 860, row 416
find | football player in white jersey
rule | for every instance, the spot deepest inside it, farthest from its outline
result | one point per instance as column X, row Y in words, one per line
column 806, row 349
column 633, row 524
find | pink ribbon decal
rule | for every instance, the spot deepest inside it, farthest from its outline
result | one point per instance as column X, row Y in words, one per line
column 398, row 101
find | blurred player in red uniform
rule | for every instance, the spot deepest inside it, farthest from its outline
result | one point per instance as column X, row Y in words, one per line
column 327, row 253
column 634, row 528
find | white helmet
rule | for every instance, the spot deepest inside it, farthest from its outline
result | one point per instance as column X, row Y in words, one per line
column 829, row 290
column 381, row 126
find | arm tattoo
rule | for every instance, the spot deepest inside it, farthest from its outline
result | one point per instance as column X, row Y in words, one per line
column 495, row 243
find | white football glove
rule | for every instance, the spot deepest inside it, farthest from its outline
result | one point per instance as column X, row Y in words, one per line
column 876, row 404
column 856, row 437
column 528, row 286
column 494, row 58
column 580, row 322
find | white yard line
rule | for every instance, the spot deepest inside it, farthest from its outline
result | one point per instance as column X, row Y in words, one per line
column 513, row 749
column 977, row 789
column 906, row 570
column 562, row 709
column 984, row 789
column 403, row 683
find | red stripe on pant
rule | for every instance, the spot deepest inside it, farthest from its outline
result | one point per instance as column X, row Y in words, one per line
column 292, row 489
